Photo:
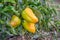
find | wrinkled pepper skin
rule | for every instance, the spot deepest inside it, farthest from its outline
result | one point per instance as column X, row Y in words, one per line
column 15, row 21
column 29, row 16
column 30, row 27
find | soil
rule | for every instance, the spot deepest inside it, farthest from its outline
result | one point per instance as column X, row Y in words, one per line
column 24, row 38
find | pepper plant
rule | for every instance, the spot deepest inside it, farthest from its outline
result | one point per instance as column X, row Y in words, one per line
column 44, row 13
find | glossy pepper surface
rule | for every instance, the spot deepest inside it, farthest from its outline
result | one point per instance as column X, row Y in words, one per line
column 15, row 21
column 29, row 26
column 29, row 16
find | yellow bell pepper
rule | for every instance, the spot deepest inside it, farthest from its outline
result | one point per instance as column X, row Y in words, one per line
column 29, row 16
column 29, row 26
column 15, row 21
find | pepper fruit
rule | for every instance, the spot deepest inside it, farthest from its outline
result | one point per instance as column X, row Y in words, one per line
column 15, row 21
column 29, row 26
column 29, row 16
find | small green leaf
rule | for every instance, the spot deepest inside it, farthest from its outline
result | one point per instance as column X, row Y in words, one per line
column 11, row 1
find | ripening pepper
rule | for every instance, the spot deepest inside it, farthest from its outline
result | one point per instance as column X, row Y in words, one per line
column 29, row 26
column 15, row 21
column 29, row 16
